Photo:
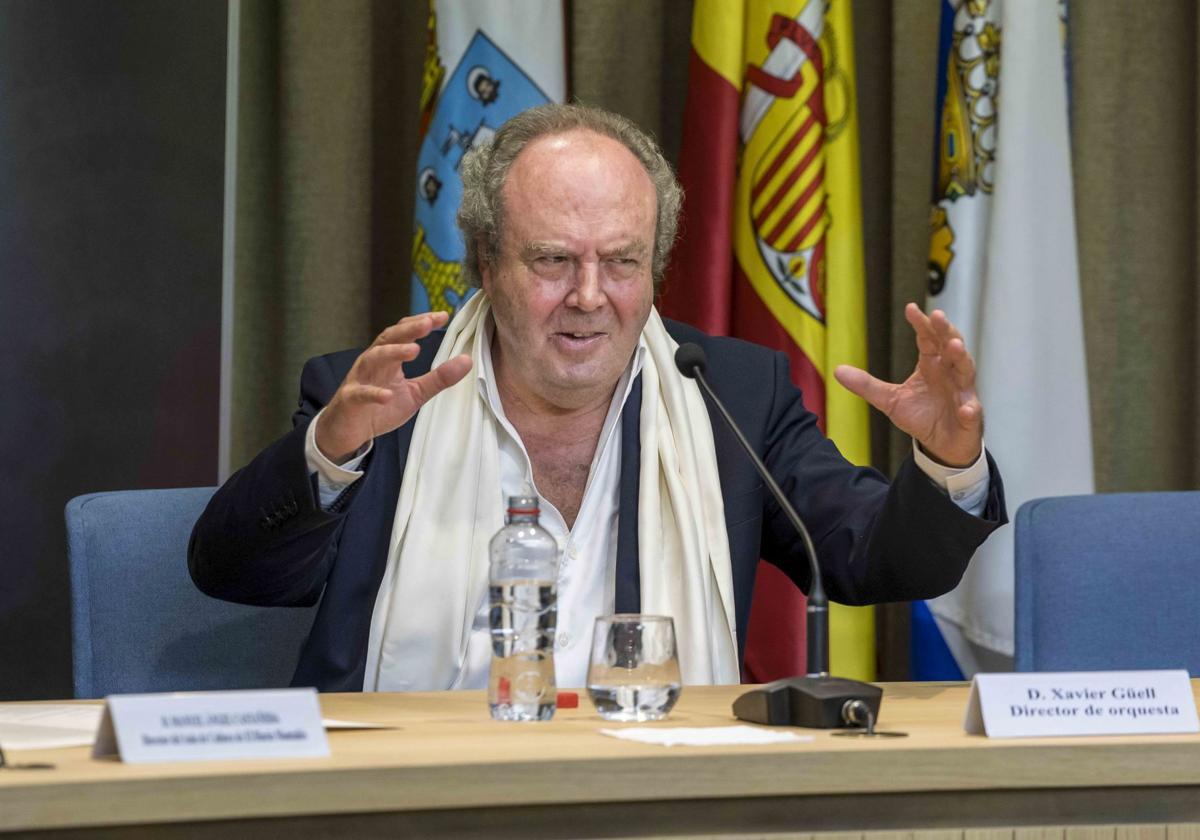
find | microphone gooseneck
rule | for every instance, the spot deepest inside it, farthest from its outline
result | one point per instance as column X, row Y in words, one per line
column 816, row 700
column 692, row 362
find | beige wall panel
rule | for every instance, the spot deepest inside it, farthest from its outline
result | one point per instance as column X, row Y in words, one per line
column 633, row 59
column 914, row 77
column 1140, row 832
column 1134, row 129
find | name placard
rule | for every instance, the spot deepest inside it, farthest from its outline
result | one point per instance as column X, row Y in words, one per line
column 208, row 726
column 1081, row 703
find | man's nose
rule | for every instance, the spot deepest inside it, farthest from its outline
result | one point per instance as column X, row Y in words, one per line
column 587, row 294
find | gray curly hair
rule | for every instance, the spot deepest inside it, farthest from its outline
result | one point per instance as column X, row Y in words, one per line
column 484, row 169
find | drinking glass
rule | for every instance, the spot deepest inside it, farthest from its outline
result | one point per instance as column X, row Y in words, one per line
column 633, row 673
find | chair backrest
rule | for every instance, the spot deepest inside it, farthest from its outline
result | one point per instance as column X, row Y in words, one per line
column 139, row 623
column 1108, row 582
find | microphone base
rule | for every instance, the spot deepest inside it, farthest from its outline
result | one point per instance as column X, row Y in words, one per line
column 813, row 702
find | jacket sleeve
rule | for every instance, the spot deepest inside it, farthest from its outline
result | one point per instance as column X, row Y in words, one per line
column 875, row 542
column 264, row 538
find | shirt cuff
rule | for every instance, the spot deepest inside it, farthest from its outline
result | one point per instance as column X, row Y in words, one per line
column 967, row 487
column 332, row 479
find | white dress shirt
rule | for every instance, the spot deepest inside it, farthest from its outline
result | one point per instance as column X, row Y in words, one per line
column 588, row 550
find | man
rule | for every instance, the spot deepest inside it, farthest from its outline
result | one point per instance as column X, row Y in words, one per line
column 382, row 500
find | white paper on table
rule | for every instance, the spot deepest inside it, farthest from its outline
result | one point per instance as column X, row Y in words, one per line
column 52, row 726
column 334, row 723
column 704, row 736
column 48, row 726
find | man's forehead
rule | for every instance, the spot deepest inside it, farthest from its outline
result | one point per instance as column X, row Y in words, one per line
column 575, row 141
column 564, row 155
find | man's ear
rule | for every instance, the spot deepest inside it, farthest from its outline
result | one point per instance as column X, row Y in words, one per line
column 484, row 261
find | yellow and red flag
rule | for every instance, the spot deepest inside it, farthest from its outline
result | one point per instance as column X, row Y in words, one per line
column 771, row 249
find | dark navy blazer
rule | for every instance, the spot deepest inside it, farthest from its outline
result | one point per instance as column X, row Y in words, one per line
column 264, row 538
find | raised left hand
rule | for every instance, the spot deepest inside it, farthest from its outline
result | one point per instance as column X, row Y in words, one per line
column 937, row 404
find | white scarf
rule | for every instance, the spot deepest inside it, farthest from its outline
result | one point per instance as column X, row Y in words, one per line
column 450, row 506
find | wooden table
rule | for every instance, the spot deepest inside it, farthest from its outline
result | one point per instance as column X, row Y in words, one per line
column 447, row 770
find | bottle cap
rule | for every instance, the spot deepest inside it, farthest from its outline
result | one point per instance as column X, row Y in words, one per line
column 525, row 503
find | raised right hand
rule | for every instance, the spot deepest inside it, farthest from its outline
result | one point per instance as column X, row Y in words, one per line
column 376, row 397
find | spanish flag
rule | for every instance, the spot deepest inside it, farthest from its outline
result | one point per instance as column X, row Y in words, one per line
column 771, row 249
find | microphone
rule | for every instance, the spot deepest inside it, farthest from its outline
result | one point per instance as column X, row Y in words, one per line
column 816, row 700
column 690, row 360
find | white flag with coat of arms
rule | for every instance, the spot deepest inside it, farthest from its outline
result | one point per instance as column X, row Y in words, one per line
column 485, row 61
column 1004, row 267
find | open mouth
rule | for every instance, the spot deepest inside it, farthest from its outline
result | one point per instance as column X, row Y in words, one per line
column 578, row 340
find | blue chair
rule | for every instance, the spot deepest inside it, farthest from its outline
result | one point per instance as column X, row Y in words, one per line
column 140, row 624
column 1108, row 582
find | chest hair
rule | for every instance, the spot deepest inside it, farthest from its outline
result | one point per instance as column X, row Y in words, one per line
column 560, row 468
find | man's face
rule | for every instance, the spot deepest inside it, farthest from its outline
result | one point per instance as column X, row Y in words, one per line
column 571, row 287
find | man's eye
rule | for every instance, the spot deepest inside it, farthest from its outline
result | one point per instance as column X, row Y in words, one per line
column 552, row 259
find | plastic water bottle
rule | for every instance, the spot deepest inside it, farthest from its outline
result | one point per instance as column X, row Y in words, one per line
column 523, row 575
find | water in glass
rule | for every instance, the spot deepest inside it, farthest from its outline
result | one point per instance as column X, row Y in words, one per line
column 633, row 674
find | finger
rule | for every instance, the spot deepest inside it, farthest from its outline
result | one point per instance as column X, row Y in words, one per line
column 953, row 368
column 418, row 318
column 970, row 414
column 412, row 328
column 942, row 329
column 878, row 393
column 927, row 338
column 367, row 394
column 941, row 324
column 961, row 363
column 917, row 319
column 448, row 373
column 382, row 362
